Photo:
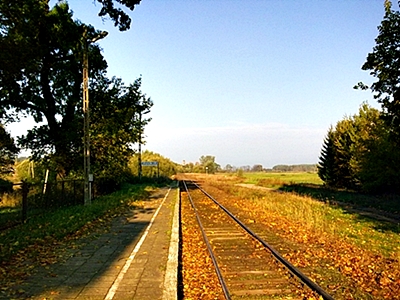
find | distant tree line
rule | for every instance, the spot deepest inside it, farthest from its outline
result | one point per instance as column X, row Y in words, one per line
column 278, row 168
column 362, row 152
column 206, row 164
column 295, row 168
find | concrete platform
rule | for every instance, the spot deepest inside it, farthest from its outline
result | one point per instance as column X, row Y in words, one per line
column 136, row 259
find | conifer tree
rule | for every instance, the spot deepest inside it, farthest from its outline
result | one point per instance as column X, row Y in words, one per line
column 326, row 165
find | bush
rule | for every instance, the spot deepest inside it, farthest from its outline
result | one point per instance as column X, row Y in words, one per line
column 5, row 186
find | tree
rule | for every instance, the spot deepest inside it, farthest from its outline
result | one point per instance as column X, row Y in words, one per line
column 166, row 167
column 358, row 154
column 281, row 168
column 377, row 157
column 343, row 142
column 383, row 64
column 229, row 168
column 108, row 8
column 245, row 168
column 257, row 168
column 326, row 165
column 208, row 163
column 116, row 126
column 41, row 75
column 8, row 152
column 120, row 18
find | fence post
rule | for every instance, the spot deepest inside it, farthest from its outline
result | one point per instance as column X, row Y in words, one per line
column 62, row 193
column 74, row 185
column 25, row 190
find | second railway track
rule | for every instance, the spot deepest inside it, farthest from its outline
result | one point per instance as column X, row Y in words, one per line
column 247, row 268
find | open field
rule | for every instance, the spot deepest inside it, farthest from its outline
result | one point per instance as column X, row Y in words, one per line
column 275, row 180
column 309, row 184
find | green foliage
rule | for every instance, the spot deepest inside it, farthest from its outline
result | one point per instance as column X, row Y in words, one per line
column 326, row 165
column 277, row 180
column 257, row 168
column 383, row 64
column 359, row 154
column 41, row 75
column 166, row 167
column 208, row 164
column 120, row 18
column 116, row 125
column 186, row 168
column 60, row 223
column 378, row 153
column 294, row 168
column 379, row 171
column 344, row 138
column 8, row 152
column 5, row 187
column 229, row 168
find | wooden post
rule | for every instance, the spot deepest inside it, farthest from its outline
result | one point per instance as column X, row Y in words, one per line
column 62, row 192
column 45, row 181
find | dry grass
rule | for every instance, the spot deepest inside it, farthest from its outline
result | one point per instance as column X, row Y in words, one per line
column 322, row 218
column 10, row 200
column 353, row 256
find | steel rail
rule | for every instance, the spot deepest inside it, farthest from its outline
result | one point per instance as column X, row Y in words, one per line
column 292, row 269
column 213, row 258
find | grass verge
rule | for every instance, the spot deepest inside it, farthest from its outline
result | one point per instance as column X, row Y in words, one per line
column 319, row 217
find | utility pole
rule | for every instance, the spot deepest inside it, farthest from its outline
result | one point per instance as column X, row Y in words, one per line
column 88, row 177
column 140, row 146
column 142, row 111
column 86, row 142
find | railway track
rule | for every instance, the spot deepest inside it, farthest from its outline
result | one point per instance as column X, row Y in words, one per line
column 247, row 267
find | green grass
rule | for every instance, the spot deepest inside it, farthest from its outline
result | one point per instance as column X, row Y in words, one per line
column 9, row 216
column 276, row 180
column 62, row 222
column 386, row 203
column 309, row 184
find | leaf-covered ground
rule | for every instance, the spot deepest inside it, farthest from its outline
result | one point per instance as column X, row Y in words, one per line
column 344, row 269
column 49, row 250
column 198, row 275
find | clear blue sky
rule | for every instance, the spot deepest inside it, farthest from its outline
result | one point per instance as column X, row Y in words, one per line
column 249, row 82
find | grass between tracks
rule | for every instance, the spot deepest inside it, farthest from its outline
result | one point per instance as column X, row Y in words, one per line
column 352, row 255
column 59, row 225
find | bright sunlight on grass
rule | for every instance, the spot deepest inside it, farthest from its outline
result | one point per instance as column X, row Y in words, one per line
column 276, row 180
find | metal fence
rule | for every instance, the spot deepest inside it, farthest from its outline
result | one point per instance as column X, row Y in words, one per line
column 23, row 200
